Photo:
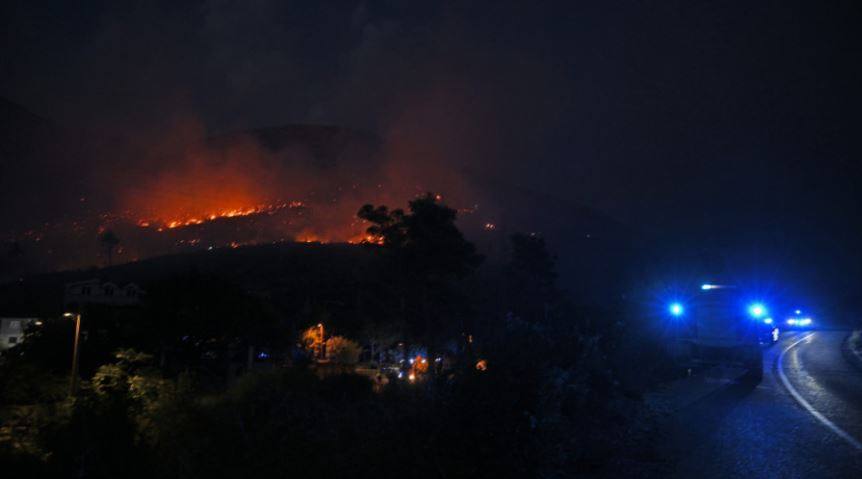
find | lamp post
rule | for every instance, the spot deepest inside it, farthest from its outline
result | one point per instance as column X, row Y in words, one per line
column 73, row 380
column 320, row 352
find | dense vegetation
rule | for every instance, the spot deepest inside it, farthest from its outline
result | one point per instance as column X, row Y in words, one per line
column 176, row 387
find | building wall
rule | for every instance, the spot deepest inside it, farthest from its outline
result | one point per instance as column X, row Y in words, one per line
column 12, row 331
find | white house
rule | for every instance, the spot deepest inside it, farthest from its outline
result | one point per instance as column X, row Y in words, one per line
column 12, row 331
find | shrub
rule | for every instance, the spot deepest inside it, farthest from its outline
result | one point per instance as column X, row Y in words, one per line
column 341, row 350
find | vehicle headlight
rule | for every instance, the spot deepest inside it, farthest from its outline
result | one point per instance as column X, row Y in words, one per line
column 757, row 310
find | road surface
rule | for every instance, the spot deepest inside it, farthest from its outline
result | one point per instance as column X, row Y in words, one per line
column 804, row 420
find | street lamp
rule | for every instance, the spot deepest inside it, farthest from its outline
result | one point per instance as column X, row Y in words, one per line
column 73, row 380
column 322, row 342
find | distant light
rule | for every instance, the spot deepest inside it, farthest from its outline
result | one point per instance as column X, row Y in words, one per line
column 798, row 311
column 676, row 309
column 707, row 287
column 768, row 320
column 412, row 360
column 791, row 321
column 757, row 310
column 805, row 321
column 400, row 374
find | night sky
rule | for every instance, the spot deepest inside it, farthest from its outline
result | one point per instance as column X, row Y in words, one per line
column 728, row 124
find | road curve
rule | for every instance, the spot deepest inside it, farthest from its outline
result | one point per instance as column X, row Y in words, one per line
column 773, row 430
column 815, row 375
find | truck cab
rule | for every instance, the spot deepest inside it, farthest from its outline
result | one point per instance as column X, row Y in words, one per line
column 718, row 325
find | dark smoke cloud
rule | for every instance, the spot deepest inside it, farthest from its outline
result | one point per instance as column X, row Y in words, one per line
column 681, row 118
column 155, row 79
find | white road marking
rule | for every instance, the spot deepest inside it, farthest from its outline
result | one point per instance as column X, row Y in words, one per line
column 802, row 402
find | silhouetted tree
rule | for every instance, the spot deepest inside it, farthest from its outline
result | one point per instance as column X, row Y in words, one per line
column 387, row 226
column 427, row 251
column 109, row 240
column 427, row 237
column 530, row 278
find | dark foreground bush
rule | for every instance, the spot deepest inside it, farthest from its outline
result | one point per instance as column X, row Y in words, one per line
column 286, row 423
column 292, row 423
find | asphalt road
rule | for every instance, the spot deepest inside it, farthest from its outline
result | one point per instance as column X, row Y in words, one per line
column 804, row 420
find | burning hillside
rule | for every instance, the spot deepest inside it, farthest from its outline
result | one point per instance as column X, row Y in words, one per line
column 196, row 180
column 178, row 190
column 188, row 192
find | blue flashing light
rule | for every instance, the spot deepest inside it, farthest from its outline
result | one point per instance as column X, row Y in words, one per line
column 768, row 320
column 757, row 310
column 676, row 309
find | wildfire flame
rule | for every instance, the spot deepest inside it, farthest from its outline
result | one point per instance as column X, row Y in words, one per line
column 366, row 239
column 352, row 234
column 161, row 224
